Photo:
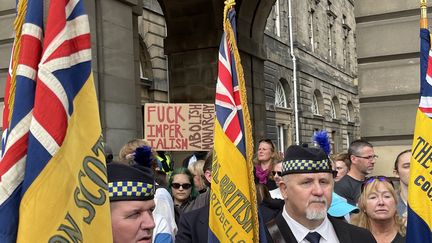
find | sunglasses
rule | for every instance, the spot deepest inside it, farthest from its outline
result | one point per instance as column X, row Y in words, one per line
column 184, row 186
column 369, row 180
column 274, row 173
column 269, row 141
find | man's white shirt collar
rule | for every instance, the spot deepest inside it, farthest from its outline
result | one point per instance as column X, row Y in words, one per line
column 325, row 229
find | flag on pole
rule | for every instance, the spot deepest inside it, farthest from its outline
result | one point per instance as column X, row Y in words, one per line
column 58, row 181
column 233, row 208
column 419, row 228
column 18, row 100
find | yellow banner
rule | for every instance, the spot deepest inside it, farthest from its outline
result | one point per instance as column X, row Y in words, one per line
column 420, row 186
column 68, row 201
column 230, row 216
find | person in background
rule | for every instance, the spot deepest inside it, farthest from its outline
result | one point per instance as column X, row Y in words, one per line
column 362, row 157
column 265, row 159
column 165, row 162
column 108, row 154
column 193, row 225
column 276, row 173
column 164, row 203
column 197, row 170
column 307, row 185
column 127, row 152
column 182, row 189
column 402, row 170
column 138, row 151
column 194, row 157
column 342, row 165
column 340, row 208
column 378, row 214
column 268, row 207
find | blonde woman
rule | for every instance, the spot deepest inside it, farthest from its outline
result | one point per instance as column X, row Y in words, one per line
column 266, row 158
column 127, row 152
column 378, row 213
column 198, row 175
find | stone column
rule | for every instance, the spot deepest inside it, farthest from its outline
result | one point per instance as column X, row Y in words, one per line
column 116, row 71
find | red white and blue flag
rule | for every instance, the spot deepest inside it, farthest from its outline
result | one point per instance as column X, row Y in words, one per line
column 419, row 225
column 233, row 210
column 19, row 100
column 53, row 176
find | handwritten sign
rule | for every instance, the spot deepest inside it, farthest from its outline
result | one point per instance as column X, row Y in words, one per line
column 179, row 127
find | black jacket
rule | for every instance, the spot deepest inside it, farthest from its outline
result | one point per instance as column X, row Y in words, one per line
column 345, row 232
column 193, row 226
column 270, row 208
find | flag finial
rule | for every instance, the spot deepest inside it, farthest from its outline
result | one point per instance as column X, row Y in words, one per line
column 228, row 5
column 423, row 14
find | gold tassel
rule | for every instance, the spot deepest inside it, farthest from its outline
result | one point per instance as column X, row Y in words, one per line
column 246, row 117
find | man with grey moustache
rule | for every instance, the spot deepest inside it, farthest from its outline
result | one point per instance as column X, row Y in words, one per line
column 306, row 186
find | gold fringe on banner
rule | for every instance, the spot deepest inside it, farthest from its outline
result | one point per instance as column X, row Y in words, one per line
column 246, row 117
column 18, row 24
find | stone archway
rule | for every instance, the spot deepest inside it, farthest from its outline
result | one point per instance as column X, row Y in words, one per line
column 194, row 29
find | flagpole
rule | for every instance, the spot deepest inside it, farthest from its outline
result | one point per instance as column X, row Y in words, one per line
column 423, row 14
column 294, row 62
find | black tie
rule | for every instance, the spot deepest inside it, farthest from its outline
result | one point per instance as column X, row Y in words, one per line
column 313, row 237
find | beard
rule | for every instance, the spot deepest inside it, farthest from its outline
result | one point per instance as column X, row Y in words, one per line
column 317, row 214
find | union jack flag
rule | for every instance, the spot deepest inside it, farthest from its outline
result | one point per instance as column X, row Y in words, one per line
column 426, row 74
column 19, row 94
column 419, row 222
column 233, row 146
column 53, row 70
column 228, row 104
column 66, row 57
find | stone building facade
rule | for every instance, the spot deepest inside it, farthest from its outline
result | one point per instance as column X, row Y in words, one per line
column 166, row 51
column 388, row 60
column 327, row 92
column 325, row 49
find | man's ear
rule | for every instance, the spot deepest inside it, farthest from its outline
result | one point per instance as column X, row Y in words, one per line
column 396, row 173
column 353, row 159
column 283, row 188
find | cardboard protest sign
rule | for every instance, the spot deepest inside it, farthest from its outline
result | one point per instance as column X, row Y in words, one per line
column 179, row 127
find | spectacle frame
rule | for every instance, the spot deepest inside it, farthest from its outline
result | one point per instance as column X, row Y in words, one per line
column 371, row 157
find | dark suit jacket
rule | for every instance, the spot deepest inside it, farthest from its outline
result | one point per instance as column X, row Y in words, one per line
column 193, row 226
column 345, row 232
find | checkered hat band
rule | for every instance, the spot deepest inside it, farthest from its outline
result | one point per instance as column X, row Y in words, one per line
column 133, row 189
column 305, row 165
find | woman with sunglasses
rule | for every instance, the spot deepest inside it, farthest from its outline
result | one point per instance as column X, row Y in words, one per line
column 266, row 158
column 378, row 213
column 182, row 188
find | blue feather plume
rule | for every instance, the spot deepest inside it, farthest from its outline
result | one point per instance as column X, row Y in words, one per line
column 144, row 156
column 322, row 139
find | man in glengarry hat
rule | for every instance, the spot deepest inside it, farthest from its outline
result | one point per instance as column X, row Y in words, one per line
column 131, row 192
column 306, row 186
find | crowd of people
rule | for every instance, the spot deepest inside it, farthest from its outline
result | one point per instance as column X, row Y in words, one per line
column 303, row 196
